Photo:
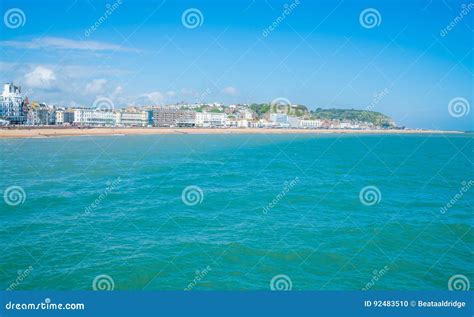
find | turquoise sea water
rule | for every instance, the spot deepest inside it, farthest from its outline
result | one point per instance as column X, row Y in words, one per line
column 265, row 205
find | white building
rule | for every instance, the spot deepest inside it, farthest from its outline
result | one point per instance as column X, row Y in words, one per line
column 134, row 118
column 231, row 122
column 12, row 104
column 262, row 123
column 94, row 117
column 247, row 115
column 244, row 123
column 59, row 116
column 278, row 118
column 294, row 122
column 210, row 119
column 311, row 124
column 64, row 116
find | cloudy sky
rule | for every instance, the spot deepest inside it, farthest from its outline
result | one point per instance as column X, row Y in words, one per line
column 409, row 61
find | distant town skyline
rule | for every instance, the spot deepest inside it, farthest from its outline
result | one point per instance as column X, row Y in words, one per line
column 16, row 110
column 341, row 54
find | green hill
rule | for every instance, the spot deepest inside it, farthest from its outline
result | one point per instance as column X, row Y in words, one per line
column 376, row 118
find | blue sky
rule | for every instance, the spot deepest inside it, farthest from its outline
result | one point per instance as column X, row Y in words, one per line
column 318, row 54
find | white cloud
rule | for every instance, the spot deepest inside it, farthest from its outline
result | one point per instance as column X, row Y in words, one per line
column 232, row 91
column 97, row 86
column 62, row 43
column 40, row 77
column 75, row 84
column 170, row 93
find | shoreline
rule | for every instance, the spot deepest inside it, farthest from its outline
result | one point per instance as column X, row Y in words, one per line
column 64, row 132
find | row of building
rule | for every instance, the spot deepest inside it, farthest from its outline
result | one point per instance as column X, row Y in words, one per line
column 175, row 117
column 14, row 109
column 157, row 117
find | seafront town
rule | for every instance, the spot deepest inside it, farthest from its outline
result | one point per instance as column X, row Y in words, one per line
column 17, row 111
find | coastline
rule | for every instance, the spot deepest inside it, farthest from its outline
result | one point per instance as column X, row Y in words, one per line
column 63, row 132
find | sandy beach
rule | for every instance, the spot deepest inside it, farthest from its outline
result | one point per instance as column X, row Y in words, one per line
column 57, row 132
